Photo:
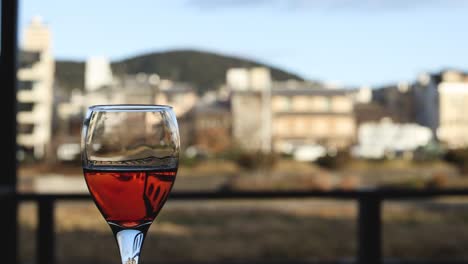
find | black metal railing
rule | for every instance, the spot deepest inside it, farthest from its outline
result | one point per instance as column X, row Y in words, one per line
column 369, row 235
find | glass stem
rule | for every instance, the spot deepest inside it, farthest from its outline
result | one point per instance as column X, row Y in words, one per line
column 130, row 242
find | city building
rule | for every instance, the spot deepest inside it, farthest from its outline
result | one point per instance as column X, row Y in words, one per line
column 98, row 73
column 368, row 109
column 251, row 108
column 441, row 103
column 312, row 117
column 369, row 112
column 238, row 79
column 139, row 88
column 212, row 127
column 181, row 96
column 130, row 89
column 396, row 100
column 295, row 84
column 35, row 90
column 362, row 95
column 282, row 117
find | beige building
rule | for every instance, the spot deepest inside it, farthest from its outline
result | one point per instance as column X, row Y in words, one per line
column 35, row 89
column 285, row 116
column 182, row 97
column 312, row 116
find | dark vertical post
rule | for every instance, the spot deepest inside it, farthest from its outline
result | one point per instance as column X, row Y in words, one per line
column 369, row 229
column 45, row 232
column 8, row 50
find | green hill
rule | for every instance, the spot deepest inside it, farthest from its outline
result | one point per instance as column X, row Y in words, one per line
column 206, row 71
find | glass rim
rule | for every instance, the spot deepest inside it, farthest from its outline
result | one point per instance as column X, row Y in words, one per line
column 129, row 107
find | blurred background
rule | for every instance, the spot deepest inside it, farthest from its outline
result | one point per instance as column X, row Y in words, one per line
column 269, row 95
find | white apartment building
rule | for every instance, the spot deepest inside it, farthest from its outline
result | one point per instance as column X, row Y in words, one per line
column 35, row 89
column 441, row 102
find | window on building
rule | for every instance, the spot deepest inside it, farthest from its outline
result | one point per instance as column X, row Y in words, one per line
column 25, row 128
column 25, row 107
column 287, row 103
column 322, row 104
column 344, row 127
column 328, row 104
column 342, row 104
column 300, row 126
column 320, row 126
column 25, row 85
column 27, row 59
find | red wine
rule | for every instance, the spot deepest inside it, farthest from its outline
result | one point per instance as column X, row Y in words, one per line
column 130, row 198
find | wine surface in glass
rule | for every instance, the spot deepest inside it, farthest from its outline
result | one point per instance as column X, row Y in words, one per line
column 130, row 198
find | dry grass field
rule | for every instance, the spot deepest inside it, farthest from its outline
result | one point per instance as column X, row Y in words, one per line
column 259, row 231
column 214, row 231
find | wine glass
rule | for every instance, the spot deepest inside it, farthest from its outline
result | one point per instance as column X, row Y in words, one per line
column 130, row 157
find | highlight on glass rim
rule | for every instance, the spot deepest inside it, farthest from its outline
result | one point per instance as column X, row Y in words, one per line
column 232, row 131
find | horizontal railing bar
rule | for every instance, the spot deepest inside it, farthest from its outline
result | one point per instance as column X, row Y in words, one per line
column 338, row 261
column 424, row 262
column 385, row 194
column 386, row 261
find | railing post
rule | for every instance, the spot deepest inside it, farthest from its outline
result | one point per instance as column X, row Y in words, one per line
column 45, row 233
column 8, row 203
column 370, row 229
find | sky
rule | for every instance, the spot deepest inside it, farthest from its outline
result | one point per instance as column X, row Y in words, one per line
column 344, row 42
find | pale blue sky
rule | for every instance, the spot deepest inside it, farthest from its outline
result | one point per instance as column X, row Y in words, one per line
column 352, row 42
